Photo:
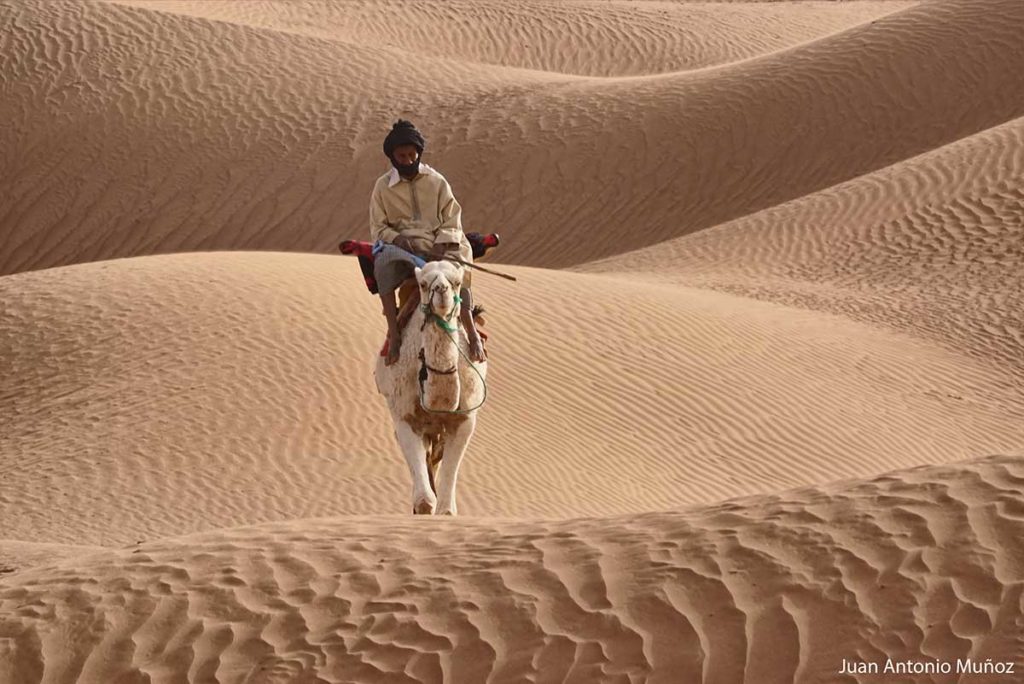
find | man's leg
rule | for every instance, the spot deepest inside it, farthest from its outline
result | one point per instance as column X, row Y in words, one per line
column 408, row 300
column 394, row 332
column 476, row 345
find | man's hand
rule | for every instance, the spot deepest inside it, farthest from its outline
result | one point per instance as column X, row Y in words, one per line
column 403, row 242
column 441, row 248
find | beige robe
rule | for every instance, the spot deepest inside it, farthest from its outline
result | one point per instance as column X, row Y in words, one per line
column 423, row 210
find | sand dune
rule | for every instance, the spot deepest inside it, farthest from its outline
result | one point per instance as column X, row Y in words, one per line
column 902, row 566
column 757, row 398
column 235, row 138
column 933, row 246
column 608, row 38
column 184, row 393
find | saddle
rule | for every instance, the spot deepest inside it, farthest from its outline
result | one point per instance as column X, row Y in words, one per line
column 406, row 309
column 408, row 293
column 481, row 244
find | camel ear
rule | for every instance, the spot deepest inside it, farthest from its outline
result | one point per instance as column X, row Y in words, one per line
column 416, row 271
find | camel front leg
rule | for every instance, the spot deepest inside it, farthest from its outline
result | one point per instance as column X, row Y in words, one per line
column 455, row 445
column 413, row 448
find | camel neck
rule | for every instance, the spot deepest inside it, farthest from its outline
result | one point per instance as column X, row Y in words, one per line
column 438, row 343
column 439, row 377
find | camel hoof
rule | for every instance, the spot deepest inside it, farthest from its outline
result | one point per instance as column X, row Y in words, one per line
column 423, row 508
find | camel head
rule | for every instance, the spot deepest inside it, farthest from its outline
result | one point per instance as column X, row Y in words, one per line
column 440, row 283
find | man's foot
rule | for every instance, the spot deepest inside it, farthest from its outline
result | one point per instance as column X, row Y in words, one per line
column 394, row 346
column 476, row 349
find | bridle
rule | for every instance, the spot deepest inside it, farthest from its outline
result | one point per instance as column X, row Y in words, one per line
column 443, row 322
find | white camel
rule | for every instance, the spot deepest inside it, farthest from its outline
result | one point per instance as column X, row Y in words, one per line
column 433, row 391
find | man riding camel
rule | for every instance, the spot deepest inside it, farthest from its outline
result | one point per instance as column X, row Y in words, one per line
column 412, row 207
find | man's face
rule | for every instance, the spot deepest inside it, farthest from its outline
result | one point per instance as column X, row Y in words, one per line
column 405, row 154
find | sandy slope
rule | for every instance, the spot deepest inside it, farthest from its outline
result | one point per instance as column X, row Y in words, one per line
column 172, row 394
column 907, row 565
column 230, row 136
column 933, row 245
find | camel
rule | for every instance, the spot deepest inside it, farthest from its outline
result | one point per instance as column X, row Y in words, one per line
column 433, row 390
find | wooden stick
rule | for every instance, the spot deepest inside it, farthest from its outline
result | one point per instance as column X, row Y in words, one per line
column 481, row 268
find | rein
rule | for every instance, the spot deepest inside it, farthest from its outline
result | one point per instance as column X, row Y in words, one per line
column 423, row 363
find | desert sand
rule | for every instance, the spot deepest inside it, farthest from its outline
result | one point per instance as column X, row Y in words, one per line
column 756, row 401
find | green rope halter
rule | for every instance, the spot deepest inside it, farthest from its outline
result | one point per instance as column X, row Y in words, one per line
column 443, row 323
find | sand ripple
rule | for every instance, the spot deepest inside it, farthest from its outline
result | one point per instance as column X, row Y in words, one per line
column 919, row 564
